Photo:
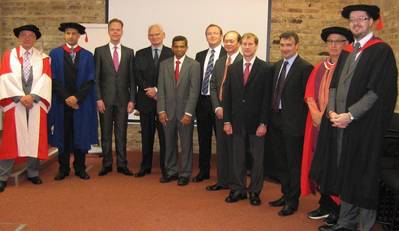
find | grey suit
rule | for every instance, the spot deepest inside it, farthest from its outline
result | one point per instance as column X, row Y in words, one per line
column 116, row 89
column 224, row 142
column 176, row 99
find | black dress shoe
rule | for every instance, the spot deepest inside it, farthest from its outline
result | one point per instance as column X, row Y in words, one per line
column 254, row 199
column 125, row 171
column 104, row 171
column 216, row 187
column 331, row 220
column 287, row 210
column 61, row 176
column 318, row 214
column 332, row 228
column 200, row 177
column 235, row 196
column 143, row 172
column 277, row 203
column 182, row 181
column 82, row 175
column 168, row 178
column 3, row 185
column 35, row 180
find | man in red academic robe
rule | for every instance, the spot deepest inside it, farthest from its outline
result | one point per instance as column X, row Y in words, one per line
column 25, row 96
column 316, row 97
column 362, row 99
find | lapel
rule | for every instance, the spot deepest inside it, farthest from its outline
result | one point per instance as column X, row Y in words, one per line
column 183, row 71
column 123, row 57
column 292, row 69
column 240, row 72
column 149, row 57
column 108, row 55
column 171, row 71
column 276, row 72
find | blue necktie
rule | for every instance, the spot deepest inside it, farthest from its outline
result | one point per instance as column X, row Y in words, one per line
column 208, row 73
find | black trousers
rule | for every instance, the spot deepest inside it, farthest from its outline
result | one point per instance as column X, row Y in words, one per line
column 68, row 148
column 149, row 123
column 205, row 125
column 287, row 151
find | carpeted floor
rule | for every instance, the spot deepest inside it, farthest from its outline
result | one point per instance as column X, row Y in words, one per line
column 119, row 203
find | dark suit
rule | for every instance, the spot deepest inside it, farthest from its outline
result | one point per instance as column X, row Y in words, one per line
column 287, row 128
column 223, row 141
column 205, row 117
column 176, row 99
column 116, row 89
column 147, row 76
column 246, row 107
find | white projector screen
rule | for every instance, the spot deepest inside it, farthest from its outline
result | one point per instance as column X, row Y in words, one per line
column 190, row 18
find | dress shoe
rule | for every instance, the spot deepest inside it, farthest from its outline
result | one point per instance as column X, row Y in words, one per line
column 254, row 199
column 35, row 180
column 332, row 228
column 104, row 171
column 82, row 175
column 277, row 203
column 216, row 187
column 287, row 210
column 61, row 176
column 318, row 214
column 200, row 177
column 125, row 171
column 331, row 220
column 182, row 181
column 143, row 172
column 168, row 178
column 235, row 196
column 3, row 185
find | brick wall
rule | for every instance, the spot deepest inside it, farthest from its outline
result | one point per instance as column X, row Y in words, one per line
column 307, row 17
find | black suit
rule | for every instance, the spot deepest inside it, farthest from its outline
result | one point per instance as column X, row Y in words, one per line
column 287, row 128
column 246, row 107
column 116, row 89
column 147, row 72
column 205, row 117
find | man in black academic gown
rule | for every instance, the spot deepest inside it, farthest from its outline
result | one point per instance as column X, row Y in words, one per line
column 361, row 102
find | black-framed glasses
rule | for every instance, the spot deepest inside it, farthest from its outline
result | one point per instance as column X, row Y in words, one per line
column 358, row 19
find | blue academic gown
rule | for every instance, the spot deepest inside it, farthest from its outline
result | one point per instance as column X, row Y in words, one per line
column 85, row 118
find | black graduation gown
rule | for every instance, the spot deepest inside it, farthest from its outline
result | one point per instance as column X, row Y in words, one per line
column 355, row 178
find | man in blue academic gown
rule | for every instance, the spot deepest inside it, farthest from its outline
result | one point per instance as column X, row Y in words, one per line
column 73, row 115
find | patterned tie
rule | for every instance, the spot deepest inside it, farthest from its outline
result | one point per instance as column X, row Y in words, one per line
column 352, row 57
column 279, row 88
column 209, row 69
column 228, row 62
column 156, row 57
column 246, row 73
column 177, row 71
column 26, row 65
column 73, row 54
column 116, row 58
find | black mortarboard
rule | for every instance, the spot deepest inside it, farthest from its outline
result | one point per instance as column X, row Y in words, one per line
column 29, row 27
column 63, row 26
column 336, row 30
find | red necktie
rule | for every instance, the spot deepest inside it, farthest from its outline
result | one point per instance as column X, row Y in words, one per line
column 246, row 73
column 177, row 71
column 116, row 58
column 228, row 62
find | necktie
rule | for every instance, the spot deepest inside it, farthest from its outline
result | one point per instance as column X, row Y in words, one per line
column 352, row 58
column 208, row 73
column 279, row 88
column 26, row 65
column 156, row 57
column 73, row 54
column 116, row 58
column 228, row 62
column 246, row 73
column 177, row 71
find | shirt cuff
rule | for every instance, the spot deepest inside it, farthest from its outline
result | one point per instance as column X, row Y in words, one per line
column 188, row 114
column 216, row 109
column 156, row 89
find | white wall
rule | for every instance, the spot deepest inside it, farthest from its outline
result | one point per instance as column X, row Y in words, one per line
column 190, row 18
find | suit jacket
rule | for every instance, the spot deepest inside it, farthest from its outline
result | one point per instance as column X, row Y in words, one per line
column 294, row 108
column 200, row 57
column 247, row 106
column 217, row 78
column 115, row 87
column 179, row 98
column 146, row 74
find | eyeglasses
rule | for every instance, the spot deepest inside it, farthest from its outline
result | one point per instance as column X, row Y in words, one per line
column 359, row 19
column 335, row 42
